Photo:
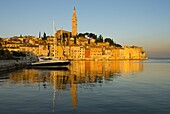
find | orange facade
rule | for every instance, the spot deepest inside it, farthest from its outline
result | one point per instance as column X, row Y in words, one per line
column 87, row 53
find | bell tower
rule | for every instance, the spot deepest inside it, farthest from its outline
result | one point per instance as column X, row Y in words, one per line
column 74, row 23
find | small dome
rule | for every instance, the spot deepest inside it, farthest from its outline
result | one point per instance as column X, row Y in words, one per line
column 71, row 38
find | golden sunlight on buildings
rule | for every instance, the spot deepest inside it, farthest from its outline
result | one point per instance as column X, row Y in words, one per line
column 70, row 45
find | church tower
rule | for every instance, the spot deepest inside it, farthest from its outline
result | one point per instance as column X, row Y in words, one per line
column 74, row 23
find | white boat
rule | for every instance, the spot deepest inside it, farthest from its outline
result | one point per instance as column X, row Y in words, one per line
column 48, row 62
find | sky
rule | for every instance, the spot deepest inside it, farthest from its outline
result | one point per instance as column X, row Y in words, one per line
column 144, row 23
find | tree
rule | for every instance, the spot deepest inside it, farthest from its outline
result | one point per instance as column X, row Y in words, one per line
column 44, row 36
column 75, row 40
column 117, row 45
column 20, row 36
column 8, row 54
column 64, row 36
column 22, row 54
column 39, row 34
column 99, row 39
column 109, row 40
column 81, row 35
column 86, row 34
column 92, row 35
column 2, row 52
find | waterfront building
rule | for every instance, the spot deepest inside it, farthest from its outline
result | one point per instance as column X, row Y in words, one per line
column 59, row 52
column 63, row 37
column 82, row 41
column 75, row 52
column 108, row 53
column 133, row 52
column 126, row 52
column 71, row 41
column 115, row 53
column 67, row 51
column 82, row 52
column 96, row 53
column 87, row 53
column 30, row 51
column 43, row 50
column 12, row 44
column 104, row 44
column 50, row 40
column 92, row 42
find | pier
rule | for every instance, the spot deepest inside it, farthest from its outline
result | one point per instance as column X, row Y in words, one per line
column 9, row 65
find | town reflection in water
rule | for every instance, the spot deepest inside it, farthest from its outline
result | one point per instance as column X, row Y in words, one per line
column 79, row 73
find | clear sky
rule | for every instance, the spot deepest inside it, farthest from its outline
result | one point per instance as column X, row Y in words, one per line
column 144, row 23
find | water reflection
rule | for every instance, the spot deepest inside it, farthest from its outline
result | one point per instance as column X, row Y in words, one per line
column 81, row 74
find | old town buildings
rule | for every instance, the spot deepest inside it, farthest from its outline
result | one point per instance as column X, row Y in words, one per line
column 68, row 45
column 82, row 51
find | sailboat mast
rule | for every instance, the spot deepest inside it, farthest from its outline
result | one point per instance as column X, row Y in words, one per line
column 55, row 39
column 62, row 39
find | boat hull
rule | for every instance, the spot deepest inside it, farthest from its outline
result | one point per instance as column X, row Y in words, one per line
column 64, row 63
column 49, row 67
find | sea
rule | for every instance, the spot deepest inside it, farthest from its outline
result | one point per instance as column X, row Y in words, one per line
column 89, row 87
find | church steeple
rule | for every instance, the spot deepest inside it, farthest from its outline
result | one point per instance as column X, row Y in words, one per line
column 74, row 23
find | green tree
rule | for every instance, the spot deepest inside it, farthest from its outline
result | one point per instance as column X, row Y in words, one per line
column 100, row 38
column 75, row 40
column 44, row 36
column 64, row 36
column 81, row 35
column 109, row 40
column 2, row 52
column 92, row 35
column 39, row 34
column 8, row 55
column 117, row 45
column 86, row 34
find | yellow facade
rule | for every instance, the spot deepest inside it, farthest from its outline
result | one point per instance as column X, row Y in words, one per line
column 43, row 50
column 96, row 53
column 59, row 52
column 115, row 53
column 108, row 53
column 133, row 53
column 75, row 52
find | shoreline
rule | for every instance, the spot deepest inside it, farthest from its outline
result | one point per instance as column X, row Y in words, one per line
column 12, row 65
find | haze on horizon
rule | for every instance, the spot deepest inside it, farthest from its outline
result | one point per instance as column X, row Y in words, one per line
column 143, row 23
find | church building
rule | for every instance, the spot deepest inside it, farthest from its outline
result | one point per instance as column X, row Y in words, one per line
column 74, row 27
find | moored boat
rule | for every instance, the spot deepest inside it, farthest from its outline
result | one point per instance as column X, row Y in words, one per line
column 48, row 62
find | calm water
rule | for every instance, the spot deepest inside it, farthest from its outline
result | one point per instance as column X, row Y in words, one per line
column 117, row 87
